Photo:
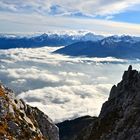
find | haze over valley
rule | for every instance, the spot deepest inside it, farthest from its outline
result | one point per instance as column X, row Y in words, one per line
column 74, row 86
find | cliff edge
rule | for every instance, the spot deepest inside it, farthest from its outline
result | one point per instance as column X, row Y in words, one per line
column 119, row 118
column 19, row 121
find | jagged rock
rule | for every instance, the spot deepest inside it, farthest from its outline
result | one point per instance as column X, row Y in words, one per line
column 19, row 121
column 119, row 118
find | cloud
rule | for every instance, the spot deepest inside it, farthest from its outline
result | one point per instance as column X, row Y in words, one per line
column 73, row 100
column 61, row 86
column 38, row 16
column 36, row 23
column 32, row 73
column 89, row 7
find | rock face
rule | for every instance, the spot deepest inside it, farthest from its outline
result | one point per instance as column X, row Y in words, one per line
column 69, row 129
column 19, row 121
column 119, row 118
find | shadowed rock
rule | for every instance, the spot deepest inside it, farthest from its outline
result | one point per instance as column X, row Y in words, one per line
column 119, row 118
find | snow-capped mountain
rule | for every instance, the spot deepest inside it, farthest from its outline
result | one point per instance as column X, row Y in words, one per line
column 114, row 46
column 123, row 38
column 47, row 39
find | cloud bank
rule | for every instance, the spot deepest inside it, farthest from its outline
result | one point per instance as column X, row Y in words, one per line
column 61, row 86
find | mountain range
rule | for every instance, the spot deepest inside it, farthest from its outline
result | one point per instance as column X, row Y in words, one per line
column 82, row 44
column 126, row 47
column 54, row 39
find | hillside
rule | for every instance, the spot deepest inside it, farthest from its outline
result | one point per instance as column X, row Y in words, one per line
column 19, row 121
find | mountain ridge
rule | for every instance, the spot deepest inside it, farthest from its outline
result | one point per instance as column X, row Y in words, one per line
column 124, row 47
column 15, row 41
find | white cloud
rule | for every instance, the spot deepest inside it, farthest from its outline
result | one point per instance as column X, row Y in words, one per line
column 73, row 74
column 32, row 73
column 89, row 7
column 70, row 100
column 37, row 23
column 36, row 15
column 61, row 86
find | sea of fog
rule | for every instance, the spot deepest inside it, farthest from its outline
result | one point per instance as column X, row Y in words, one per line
column 61, row 86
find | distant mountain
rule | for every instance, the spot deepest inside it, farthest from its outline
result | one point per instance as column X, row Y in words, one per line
column 119, row 117
column 19, row 121
column 14, row 41
column 113, row 46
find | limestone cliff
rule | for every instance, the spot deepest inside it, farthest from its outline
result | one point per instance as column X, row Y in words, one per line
column 19, row 121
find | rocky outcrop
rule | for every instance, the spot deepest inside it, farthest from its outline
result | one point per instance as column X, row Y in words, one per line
column 69, row 129
column 19, row 121
column 119, row 118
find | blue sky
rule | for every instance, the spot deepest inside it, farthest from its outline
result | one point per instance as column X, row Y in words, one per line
column 99, row 16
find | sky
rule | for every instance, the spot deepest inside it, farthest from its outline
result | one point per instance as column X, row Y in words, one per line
column 98, row 16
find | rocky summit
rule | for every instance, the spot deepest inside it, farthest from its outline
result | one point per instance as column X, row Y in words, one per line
column 19, row 121
column 119, row 118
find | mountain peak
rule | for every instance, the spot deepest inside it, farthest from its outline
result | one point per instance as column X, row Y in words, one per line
column 115, row 39
column 130, row 74
column 119, row 117
column 130, row 68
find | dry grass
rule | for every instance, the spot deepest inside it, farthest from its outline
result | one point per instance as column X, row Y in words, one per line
column 1, row 92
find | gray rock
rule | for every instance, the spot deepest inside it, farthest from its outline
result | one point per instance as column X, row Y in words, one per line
column 19, row 121
column 119, row 117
